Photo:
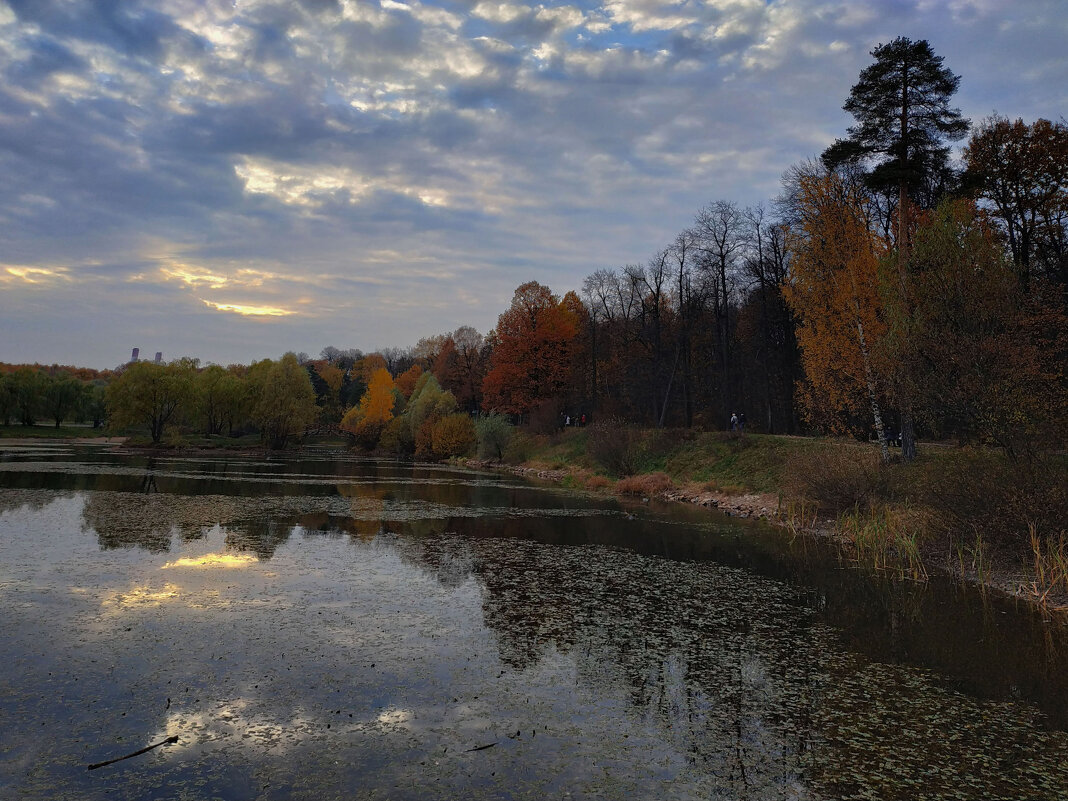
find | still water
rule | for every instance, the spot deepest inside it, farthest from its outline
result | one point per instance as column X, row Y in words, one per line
column 330, row 627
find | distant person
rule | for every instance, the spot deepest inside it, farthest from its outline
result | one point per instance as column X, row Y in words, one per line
column 567, row 420
column 734, row 422
column 582, row 422
column 741, row 422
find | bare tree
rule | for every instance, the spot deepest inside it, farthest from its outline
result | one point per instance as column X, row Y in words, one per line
column 720, row 234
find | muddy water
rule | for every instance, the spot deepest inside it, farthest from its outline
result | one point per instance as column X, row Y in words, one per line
column 337, row 628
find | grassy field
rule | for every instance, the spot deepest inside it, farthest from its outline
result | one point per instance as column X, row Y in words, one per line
column 49, row 431
column 730, row 463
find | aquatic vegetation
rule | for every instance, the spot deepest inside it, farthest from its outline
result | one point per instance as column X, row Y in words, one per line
column 887, row 537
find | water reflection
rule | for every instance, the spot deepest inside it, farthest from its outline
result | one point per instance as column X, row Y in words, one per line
column 374, row 626
column 228, row 561
column 141, row 596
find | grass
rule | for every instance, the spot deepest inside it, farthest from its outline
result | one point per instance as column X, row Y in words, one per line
column 559, row 451
column 748, row 463
column 722, row 461
column 1050, row 564
column 647, row 484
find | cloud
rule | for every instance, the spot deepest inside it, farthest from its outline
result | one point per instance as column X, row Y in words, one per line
column 13, row 274
column 385, row 170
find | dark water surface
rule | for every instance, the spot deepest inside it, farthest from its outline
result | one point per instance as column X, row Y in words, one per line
column 328, row 627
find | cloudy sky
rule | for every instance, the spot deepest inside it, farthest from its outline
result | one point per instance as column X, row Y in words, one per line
column 231, row 179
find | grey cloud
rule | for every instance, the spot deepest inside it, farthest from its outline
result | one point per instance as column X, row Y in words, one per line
column 47, row 56
column 132, row 27
column 281, row 124
column 372, row 48
column 525, row 29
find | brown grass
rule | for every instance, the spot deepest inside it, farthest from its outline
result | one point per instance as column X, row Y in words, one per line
column 1050, row 564
column 597, row 483
column 648, row 484
column 889, row 537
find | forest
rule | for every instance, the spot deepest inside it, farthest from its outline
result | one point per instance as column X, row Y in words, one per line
column 887, row 292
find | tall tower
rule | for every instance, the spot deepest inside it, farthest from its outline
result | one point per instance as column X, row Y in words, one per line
column 133, row 356
column 159, row 356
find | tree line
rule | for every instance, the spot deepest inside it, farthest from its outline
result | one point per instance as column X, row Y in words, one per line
column 885, row 292
column 32, row 393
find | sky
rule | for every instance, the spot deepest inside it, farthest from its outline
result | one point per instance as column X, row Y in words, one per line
column 230, row 180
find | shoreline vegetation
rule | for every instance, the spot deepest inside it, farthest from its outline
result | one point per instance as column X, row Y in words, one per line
column 956, row 511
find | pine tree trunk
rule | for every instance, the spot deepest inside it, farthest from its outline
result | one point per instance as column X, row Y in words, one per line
column 908, row 438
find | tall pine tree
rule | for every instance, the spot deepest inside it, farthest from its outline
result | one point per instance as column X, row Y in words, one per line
column 903, row 119
column 901, row 105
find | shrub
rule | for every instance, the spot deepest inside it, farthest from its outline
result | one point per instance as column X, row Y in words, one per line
column 452, row 436
column 838, row 478
column 615, row 446
column 424, row 440
column 493, row 432
column 397, row 437
column 520, row 447
column 367, row 433
column 982, row 492
column 545, row 417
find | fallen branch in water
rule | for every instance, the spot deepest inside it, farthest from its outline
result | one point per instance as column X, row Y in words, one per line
column 172, row 739
column 480, row 747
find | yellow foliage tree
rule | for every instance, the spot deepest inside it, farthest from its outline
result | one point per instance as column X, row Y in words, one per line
column 834, row 290
column 332, row 376
column 376, row 405
column 374, row 411
column 453, row 436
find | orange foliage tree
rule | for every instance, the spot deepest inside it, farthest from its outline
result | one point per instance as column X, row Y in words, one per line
column 460, row 366
column 406, row 381
column 834, row 291
column 532, row 358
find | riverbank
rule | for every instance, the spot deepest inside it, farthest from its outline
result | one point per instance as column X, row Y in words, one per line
column 906, row 519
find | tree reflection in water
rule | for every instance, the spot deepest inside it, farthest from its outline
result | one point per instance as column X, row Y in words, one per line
column 741, row 665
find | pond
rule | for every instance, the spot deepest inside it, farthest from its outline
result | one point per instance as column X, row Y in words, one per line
column 325, row 626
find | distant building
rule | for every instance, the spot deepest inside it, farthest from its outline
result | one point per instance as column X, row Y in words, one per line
column 135, row 354
column 159, row 356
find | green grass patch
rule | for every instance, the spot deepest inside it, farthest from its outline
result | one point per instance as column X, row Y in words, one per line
column 45, row 431
column 752, row 462
column 559, row 451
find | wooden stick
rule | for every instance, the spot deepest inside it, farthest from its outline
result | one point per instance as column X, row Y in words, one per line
column 172, row 739
column 481, row 747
